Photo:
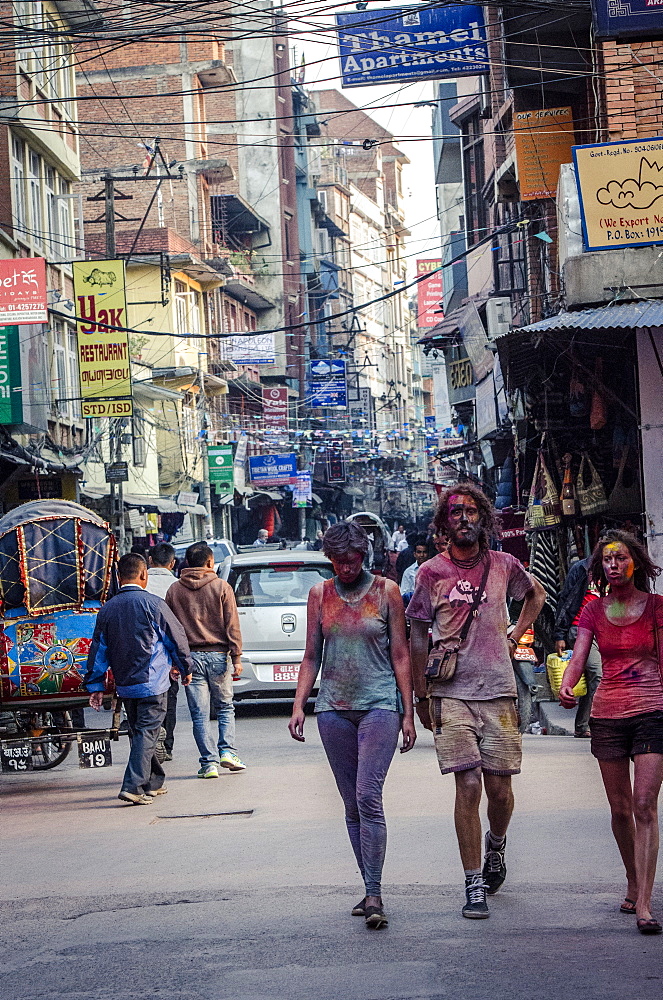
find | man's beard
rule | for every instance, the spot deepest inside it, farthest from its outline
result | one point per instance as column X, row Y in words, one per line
column 467, row 540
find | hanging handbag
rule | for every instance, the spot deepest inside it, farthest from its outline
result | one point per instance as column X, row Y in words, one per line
column 591, row 498
column 442, row 659
column 624, row 500
column 544, row 509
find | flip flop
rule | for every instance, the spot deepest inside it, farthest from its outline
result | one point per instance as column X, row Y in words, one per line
column 628, row 906
column 649, row 926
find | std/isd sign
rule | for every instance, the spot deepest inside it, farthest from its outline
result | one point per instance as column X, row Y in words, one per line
column 383, row 46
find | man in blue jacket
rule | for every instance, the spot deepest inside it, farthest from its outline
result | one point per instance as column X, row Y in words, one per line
column 139, row 639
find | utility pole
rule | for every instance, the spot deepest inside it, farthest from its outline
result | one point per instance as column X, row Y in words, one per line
column 207, row 493
column 109, row 200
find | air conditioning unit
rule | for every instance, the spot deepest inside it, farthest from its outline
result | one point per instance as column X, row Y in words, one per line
column 498, row 317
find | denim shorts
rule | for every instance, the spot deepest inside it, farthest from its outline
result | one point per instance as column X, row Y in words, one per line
column 614, row 739
column 481, row 734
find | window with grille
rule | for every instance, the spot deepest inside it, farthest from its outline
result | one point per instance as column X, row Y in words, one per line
column 474, row 179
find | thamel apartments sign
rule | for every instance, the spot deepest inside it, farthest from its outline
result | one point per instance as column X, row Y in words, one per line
column 403, row 43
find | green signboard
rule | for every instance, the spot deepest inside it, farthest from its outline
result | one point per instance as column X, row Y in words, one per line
column 11, row 396
column 220, row 459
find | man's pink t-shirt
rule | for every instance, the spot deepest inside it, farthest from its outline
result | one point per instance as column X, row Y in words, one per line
column 631, row 681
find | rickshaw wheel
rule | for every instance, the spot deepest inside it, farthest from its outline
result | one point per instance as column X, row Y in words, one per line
column 50, row 751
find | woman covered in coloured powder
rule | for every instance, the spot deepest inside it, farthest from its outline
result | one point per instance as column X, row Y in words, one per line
column 627, row 713
column 356, row 634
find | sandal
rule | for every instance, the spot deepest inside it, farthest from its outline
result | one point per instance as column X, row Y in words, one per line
column 628, row 906
column 375, row 918
column 359, row 910
column 649, row 926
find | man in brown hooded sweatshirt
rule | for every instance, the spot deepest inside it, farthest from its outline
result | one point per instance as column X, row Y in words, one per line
column 206, row 608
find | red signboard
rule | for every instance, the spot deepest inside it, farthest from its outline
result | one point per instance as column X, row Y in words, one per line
column 429, row 293
column 23, row 291
column 275, row 408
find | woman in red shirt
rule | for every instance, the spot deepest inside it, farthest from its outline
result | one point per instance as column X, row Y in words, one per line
column 627, row 712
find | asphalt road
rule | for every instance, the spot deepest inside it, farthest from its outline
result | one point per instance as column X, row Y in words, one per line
column 177, row 900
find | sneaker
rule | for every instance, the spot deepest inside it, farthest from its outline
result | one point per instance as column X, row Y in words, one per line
column 494, row 866
column 157, row 791
column 476, row 907
column 135, row 800
column 208, row 771
column 230, row 760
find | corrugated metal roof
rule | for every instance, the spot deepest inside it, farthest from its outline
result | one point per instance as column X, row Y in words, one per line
column 620, row 316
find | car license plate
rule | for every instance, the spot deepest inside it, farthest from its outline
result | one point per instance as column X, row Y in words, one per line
column 286, row 672
column 94, row 752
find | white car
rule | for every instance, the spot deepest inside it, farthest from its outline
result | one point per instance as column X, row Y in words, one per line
column 271, row 590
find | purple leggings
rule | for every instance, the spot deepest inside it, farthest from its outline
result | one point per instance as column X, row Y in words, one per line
column 360, row 747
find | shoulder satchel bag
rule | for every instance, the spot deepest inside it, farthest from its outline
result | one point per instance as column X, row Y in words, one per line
column 441, row 663
column 544, row 509
column 623, row 499
column 591, row 497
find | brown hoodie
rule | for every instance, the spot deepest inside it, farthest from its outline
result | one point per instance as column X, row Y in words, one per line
column 206, row 608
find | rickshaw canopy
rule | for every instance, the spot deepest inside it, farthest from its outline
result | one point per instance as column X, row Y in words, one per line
column 54, row 555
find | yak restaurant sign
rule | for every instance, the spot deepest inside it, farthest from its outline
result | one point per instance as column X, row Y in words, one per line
column 621, row 193
column 103, row 340
column 429, row 293
column 23, row 291
column 544, row 140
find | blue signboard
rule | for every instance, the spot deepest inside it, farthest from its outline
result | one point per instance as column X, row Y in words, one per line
column 328, row 383
column 273, row 470
column 404, row 43
column 627, row 18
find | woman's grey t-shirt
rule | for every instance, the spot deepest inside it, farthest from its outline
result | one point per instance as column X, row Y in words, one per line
column 443, row 595
column 357, row 673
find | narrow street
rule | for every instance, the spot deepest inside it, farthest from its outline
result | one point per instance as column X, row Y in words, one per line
column 175, row 900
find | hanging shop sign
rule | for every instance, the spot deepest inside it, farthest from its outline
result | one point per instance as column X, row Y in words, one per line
column 429, row 293
column 328, row 384
column 632, row 19
column 117, row 472
column 23, row 291
column 383, row 46
column 221, row 466
column 460, row 380
column 11, row 392
column 258, row 349
column 273, row 470
column 475, row 341
column 103, row 341
column 336, row 468
column 544, row 140
column 275, row 407
column 621, row 193
column 302, row 490
column 239, row 465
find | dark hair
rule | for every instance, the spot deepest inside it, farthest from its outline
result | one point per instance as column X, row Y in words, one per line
column 130, row 565
column 491, row 526
column 420, row 540
column 646, row 571
column 198, row 555
column 162, row 554
column 344, row 537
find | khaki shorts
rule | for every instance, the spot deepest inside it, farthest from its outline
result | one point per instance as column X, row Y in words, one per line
column 477, row 734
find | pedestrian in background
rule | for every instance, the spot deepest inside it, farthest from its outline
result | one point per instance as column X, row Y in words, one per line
column 578, row 591
column 263, row 537
column 140, row 641
column 397, row 537
column 356, row 637
column 627, row 712
column 405, row 556
column 206, row 607
column 410, row 575
column 160, row 577
column 472, row 708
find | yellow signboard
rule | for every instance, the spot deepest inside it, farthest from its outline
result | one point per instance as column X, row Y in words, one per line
column 544, row 140
column 621, row 193
column 103, row 341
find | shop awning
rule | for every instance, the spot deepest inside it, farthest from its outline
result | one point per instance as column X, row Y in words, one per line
column 620, row 316
column 158, row 505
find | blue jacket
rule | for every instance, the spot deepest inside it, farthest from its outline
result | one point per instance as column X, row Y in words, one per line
column 140, row 640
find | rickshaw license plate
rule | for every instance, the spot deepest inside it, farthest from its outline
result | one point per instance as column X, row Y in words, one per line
column 286, row 672
column 94, row 753
column 16, row 757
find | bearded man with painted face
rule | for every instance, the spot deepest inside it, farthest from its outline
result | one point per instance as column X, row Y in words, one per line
column 473, row 713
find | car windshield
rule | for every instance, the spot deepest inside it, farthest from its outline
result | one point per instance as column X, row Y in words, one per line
column 262, row 586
